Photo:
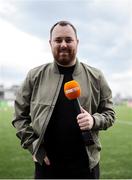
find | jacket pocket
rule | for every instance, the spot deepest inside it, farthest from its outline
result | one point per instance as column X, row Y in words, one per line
column 39, row 113
column 96, row 140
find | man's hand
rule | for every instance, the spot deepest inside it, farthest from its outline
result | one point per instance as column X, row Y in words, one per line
column 46, row 160
column 85, row 120
column 34, row 158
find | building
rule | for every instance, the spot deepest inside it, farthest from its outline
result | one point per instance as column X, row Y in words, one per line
column 8, row 94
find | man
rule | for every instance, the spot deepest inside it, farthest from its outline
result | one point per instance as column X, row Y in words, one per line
column 48, row 123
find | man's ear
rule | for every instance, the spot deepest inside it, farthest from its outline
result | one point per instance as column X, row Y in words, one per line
column 50, row 42
column 77, row 41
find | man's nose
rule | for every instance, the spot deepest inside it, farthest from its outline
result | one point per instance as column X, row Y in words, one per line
column 63, row 43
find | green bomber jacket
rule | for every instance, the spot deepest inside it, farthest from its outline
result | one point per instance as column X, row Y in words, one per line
column 36, row 99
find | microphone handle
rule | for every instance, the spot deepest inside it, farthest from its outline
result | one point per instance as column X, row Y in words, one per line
column 77, row 106
column 86, row 134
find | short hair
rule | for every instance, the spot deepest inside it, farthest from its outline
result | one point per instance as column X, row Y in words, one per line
column 62, row 23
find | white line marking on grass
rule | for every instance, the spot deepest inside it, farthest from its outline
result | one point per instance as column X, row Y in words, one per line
column 124, row 122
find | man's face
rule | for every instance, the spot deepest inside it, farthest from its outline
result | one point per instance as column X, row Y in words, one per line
column 63, row 44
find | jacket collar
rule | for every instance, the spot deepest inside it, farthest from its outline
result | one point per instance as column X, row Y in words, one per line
column 76, row 71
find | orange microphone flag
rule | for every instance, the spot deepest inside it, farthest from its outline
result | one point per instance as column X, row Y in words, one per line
column 72, row 89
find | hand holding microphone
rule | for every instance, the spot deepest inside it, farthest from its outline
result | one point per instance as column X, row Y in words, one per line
column 85, row 120
column 72, row 91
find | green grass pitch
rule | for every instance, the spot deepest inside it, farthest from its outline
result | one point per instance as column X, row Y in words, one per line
column 116, row 154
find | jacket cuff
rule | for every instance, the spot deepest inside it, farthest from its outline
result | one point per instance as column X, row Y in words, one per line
column 31, row 147
column 98, row 121
column 40, row 154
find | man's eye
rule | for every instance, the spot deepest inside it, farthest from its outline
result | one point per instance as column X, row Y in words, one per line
column 68, row 40
column 58, row 40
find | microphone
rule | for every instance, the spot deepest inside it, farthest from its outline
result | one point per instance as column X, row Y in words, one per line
column 72, row 91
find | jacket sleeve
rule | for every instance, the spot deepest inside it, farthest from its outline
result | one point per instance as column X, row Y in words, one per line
column 105, row 115
column 22, row 118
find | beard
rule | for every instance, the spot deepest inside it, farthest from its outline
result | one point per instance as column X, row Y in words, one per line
column 64, row 57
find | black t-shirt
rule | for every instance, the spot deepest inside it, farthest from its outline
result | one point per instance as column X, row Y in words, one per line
column 63, row 140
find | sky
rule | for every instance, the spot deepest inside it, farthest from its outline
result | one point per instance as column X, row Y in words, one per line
column 104, row 30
